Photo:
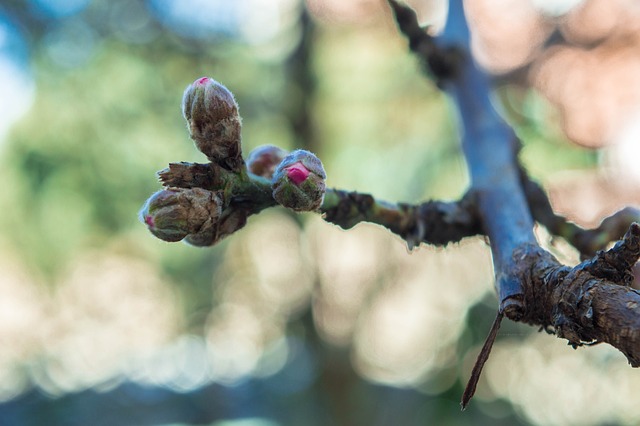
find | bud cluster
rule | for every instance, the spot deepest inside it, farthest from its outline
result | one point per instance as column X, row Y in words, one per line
column 203, row 203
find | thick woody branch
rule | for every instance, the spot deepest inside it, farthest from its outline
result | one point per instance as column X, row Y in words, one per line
column 489, row 147
column 590, row 303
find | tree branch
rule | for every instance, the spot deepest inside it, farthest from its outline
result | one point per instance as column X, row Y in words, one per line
column 488, row 145
column 590, row 303
column 431, row 222
column 587, row 241
column 440, row 61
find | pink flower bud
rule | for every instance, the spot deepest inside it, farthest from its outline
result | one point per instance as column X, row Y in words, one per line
column 297, row 173
column 213, row 121
column 299, row 181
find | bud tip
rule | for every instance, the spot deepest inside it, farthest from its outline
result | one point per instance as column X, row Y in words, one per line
column 297, row 173
column 148, row 219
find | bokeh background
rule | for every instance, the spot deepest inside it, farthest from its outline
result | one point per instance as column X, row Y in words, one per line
column 292, row 321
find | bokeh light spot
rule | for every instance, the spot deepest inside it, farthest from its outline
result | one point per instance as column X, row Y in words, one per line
column 71, row 44
column 17, row 88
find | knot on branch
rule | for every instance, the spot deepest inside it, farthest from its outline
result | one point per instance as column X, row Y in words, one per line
column 615, row 264
column 539, row 274
column 442, row 222
column 572, row 316
column 350, row 209
column 588, row 304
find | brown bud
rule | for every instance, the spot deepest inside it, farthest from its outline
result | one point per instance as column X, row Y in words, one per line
column 264, row 159
column 213, row 121
column 231, row 221
column 173, row 214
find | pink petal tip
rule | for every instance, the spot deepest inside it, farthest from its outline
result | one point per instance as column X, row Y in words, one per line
column 297, row 173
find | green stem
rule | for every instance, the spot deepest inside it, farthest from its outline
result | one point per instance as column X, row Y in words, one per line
column 251, row 191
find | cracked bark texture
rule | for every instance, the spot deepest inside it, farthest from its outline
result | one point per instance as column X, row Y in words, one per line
column 590, row 303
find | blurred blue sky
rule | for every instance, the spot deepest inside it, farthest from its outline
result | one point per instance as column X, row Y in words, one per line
column 16, row 84
column 199, row 18
column 57, row 8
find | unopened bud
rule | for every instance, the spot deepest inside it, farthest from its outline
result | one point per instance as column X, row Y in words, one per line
column 230, row 221
column 299, row 181
column 264, row 159
column 173, row 214
column 213, row 120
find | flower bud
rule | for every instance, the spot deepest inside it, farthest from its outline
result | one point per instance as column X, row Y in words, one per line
column 173, row 214
column 298, row 182
column 232, row 219
column 264, row 159
column 213, row 120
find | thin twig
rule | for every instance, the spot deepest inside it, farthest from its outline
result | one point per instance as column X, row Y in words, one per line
column 587, row 241
column 482, row 358
column 442, row 63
